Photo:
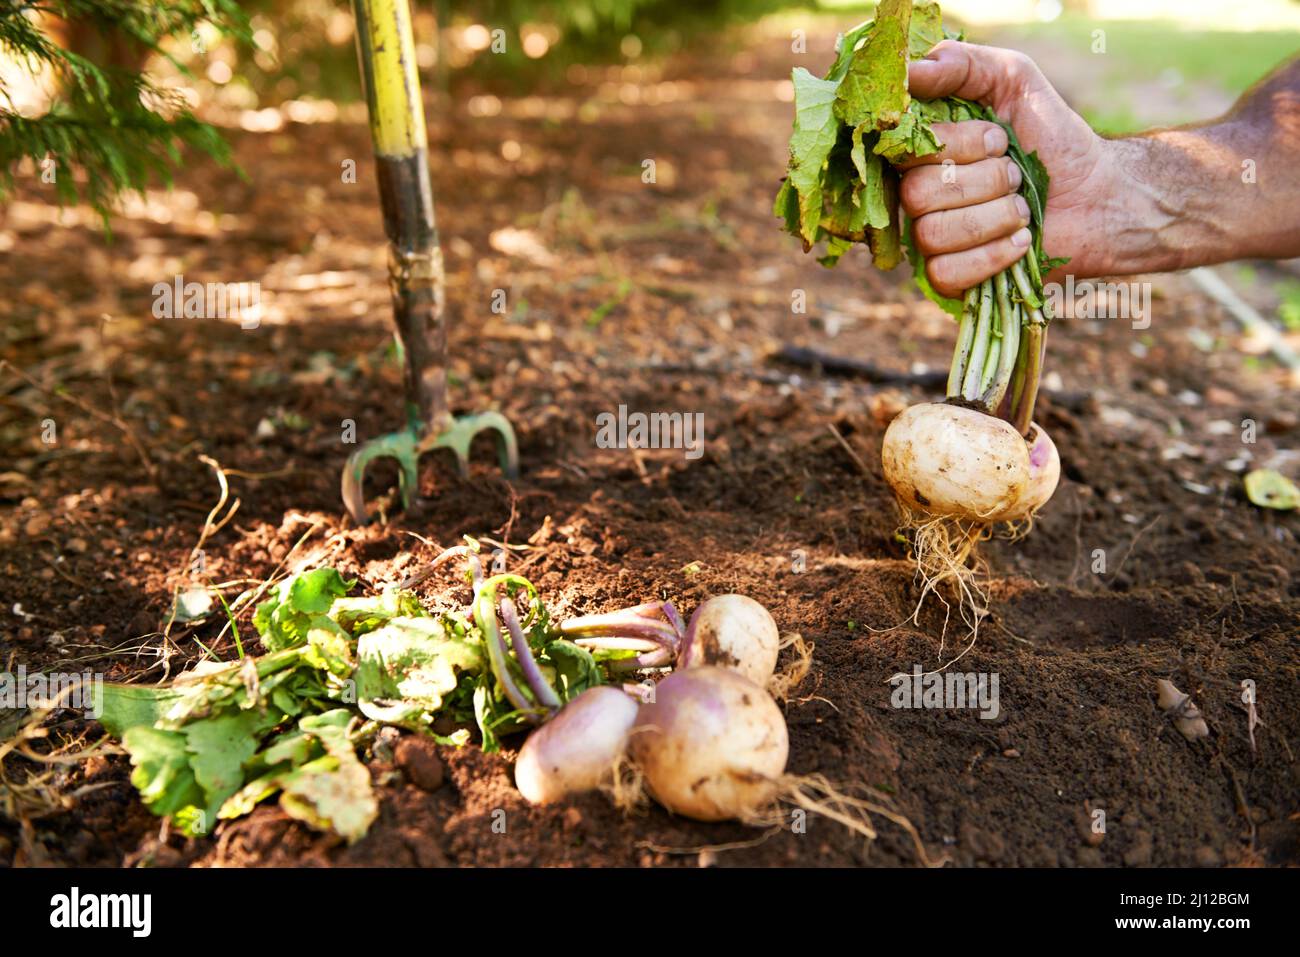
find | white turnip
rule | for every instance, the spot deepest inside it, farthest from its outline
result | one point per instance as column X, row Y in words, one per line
column 732, row 631
column 947, row 460
column 577, row 750
column 712, row 745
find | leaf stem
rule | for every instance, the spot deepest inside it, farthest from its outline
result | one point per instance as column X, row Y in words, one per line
column 979, row 351
column 965, row 338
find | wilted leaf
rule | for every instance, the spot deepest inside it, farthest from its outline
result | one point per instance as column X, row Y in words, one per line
column 1269, row 489
column 406, row 668
column 874, row 89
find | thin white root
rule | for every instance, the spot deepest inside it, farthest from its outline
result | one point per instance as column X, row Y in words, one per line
column 792, row 675
column 815, row 794
column 626, row 786
column 944, row 550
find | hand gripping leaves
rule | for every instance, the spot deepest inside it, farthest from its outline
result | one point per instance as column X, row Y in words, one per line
column 959, row 467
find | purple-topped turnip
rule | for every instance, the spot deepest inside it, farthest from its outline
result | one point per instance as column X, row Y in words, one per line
column 732, row 631
column 712, row 745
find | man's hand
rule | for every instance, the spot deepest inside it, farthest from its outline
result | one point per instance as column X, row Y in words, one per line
column 968, row 220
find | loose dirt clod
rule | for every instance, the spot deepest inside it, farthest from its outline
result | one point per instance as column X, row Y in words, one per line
column 418, row 757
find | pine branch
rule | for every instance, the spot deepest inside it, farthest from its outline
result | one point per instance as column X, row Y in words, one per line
column 109, row 130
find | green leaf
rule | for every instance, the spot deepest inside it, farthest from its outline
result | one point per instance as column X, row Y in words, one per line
column 845, row 215
column 314, row 592
column 220, row 746
column 329, row 647
column 406, row 669
column 925, row 30
column 912, row 137
column 316, row 767
column 886, row 243
column 870, row 171
column 845, row 47
column 332, row 793
column 361, row 614
column 284, row 619
column 575, row 669
column 162, row 772
column 247, row 797
column 1269, row 489
column 814, row 136
column 786, row 207
column 874, row 89
column 129, row 706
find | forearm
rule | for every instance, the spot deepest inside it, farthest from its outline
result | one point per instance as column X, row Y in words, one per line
column 1200, row 195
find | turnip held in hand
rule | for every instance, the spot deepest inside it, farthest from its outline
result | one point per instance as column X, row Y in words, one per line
column 959, row 467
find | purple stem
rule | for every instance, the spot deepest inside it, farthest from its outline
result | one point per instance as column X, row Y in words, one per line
column 620, row 624
column 674, row 619
column 541, row 688
column 497, row 655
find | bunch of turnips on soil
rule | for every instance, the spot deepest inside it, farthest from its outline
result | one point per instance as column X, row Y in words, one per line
column 708, row 741
column 960, row 467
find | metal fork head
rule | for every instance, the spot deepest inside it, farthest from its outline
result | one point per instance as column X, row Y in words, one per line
column 406, row 447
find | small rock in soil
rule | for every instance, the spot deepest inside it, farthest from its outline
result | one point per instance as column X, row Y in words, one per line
column 418, row 757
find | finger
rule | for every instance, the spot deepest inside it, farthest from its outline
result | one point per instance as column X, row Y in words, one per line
column 929, row 189
column 964, row 142
column 953, row 230
column 968, row 70
column 953, row 273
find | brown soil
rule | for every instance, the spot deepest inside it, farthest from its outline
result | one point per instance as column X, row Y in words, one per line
column 671, row 296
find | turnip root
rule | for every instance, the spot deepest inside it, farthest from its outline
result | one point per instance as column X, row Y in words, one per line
column 732, row 631
column 956, row 472
column 712, row 745
column 946, row 460
column 579, row 749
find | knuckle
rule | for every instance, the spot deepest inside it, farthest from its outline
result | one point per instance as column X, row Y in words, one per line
column 1020, row 63
column 952, row 186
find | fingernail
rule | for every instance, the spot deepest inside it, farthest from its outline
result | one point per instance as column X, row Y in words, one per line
column 1014, row 176
column 995, row 141
column 1023, row 208
column 1020, row 237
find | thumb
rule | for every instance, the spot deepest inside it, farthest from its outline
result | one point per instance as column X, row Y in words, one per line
column 972, row 72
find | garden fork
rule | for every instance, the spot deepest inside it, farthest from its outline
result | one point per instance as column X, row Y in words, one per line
column 386, row 51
